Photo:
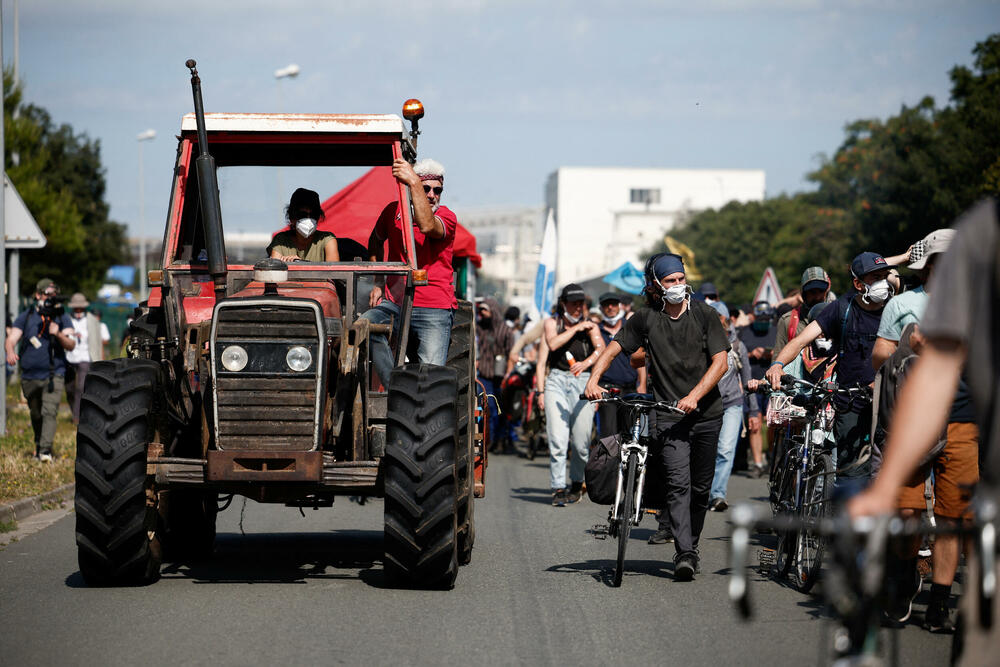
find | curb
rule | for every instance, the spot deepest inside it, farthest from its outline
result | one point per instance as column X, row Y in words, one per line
column 22, row 509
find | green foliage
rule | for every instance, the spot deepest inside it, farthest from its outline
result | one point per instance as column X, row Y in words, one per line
column 60, row 178
column 890, row 183
column 735, row 244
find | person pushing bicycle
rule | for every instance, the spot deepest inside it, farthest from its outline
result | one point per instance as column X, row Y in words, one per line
column 687, row 349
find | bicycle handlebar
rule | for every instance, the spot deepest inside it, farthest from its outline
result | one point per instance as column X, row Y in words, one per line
column 631, row 401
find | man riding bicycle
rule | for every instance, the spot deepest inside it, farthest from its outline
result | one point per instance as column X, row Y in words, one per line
column 851, row 323
column 687, row 349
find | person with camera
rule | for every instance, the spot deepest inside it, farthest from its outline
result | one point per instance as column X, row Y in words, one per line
column 42, row 355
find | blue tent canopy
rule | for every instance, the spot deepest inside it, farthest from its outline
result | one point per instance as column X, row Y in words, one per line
column 627, row 278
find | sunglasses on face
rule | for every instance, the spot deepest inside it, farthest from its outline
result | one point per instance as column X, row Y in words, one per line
column 438, row 190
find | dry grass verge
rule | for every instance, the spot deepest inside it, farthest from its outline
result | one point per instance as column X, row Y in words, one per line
column 21, row 476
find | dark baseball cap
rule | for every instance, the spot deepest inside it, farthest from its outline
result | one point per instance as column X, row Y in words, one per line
column 815, row 278
column 572, row 292
column 708, row 289
column 867, row 262
column 609, row 296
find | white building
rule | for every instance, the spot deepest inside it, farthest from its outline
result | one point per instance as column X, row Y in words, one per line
column 609, row 215
column 508, row 240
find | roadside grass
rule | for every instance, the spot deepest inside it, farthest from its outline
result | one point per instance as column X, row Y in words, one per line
column 21, row 476
column 7, row 526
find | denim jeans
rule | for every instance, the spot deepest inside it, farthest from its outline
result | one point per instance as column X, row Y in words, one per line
column 568, row 423
column 729, row 435
column 431, row 327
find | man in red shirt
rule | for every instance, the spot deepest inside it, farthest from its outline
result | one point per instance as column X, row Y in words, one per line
column 434, row 235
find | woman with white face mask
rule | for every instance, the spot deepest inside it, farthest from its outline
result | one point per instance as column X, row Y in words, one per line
column 574, row 344
column 304, row 242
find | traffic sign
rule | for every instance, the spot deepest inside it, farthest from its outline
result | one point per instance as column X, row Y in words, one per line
column 768, row 288
column 20, row 229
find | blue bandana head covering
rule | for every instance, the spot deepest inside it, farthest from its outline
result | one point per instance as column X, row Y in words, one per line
column 666, row 264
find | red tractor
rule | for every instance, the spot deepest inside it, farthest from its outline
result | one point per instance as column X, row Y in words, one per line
column 255, row 378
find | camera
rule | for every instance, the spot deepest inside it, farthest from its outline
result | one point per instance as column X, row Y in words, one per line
column 52, row 307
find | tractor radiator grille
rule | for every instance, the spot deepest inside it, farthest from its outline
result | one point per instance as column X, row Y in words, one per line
column 273, row 410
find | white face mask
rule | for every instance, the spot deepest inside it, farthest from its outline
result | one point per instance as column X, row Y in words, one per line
column 305, row 227
column 572, row 320
column 611, row 321
column 878, row 291
column 675, row 293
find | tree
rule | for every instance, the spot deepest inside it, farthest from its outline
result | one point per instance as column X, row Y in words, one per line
column 60, row 178
column 735, row 244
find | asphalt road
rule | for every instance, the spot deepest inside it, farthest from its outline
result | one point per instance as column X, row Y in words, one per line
column 296, row 590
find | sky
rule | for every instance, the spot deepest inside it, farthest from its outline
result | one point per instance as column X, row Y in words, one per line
column 512, row 89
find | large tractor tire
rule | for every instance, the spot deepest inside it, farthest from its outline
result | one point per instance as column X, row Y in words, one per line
column 461, row 358
column 420, row 477
column 116, row 529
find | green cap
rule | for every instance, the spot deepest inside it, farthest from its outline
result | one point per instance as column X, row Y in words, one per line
column 815, row 278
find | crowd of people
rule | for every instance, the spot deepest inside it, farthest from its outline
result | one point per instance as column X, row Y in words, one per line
column 694, row 349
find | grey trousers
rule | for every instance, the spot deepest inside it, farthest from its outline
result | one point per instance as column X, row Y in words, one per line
column 43, row 405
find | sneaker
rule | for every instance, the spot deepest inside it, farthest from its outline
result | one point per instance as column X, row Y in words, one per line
column 756, row 471
column 575, row 493
column 685, row 566
column 559, row 498
column 938, row 617
column 661, row 536
column 900, row 606
column 718, row 505
column 45, row 457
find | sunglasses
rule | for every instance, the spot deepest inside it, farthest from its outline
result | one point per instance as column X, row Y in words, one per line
column 438, row 190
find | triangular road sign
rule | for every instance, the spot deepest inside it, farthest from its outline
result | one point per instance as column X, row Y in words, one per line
column 20, row 229
column 768, row 288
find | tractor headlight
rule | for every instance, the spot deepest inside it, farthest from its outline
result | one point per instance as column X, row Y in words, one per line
column 234, row 358
column 299, row 358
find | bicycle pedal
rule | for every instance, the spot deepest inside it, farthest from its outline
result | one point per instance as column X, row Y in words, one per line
column 600, row 531
column 765, row 560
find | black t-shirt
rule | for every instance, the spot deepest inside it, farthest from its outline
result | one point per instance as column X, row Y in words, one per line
column 679, row 352
column 753, row 339
column 853, row 331
column 580, row 346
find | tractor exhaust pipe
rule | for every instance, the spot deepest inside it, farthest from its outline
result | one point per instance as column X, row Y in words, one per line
column 208, row 186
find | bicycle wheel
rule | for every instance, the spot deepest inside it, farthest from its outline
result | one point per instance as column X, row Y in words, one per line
column 815, row 501
column 777, row 467
column 785, row 550
column 625, row 522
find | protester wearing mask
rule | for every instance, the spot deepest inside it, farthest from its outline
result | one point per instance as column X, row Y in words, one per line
column 90, row 339
column 494, row 340
column 686, row 349
column 731, row 386
column 815, row 286
column 620, row 375
column 303, row 241
column 574, row 344
column 709, row 294
column 758, row 338
column 851, row 323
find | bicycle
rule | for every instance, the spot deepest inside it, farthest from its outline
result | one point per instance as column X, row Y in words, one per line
column 626, row 510
column 801, row 480
column 856, row 584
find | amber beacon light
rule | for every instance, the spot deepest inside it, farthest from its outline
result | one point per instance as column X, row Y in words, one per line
column 413, row 109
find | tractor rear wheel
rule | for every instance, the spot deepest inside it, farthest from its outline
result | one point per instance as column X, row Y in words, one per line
column 116, row 525
column 460, row 358
column 421, row 482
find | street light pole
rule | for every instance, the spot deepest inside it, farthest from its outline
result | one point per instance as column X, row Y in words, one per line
column 289, row 72
column 142, row 137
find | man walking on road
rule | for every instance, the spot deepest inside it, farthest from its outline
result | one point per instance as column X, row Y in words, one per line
column 687, row 350
column 43, row 361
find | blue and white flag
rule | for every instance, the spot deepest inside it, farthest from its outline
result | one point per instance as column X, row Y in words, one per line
column 545, row 278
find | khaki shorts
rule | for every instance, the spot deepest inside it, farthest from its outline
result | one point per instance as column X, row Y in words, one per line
column 956, row 471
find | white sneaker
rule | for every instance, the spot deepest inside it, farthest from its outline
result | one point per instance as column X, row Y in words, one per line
column 45, row 458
